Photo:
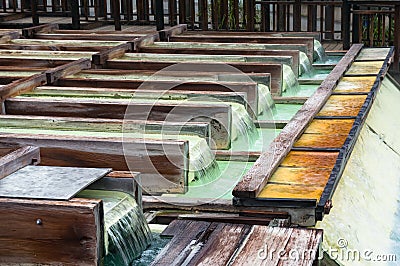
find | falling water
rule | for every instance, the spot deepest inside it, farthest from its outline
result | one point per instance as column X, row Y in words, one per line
column 319, row 52
column 265, row 101
column 126, row 233
column 290, row 83
column 202, row 164
column 242, row 124
column 305, row 64
column 366, row 210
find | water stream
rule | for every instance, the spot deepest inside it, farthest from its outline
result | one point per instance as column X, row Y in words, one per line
column 126, row 233
column 290, row 84
column 366, row 214
column 319, row 52
column 305, row 66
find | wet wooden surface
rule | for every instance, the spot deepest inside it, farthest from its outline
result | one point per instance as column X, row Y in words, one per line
column 343, row 105
column 365, row 68
column 355, row 85
column 284, row 191
column 210, row 243
column 373, row 54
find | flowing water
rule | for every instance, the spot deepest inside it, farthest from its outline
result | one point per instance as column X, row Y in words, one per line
column 319, row 52
column 126, row 233
column 265, row 101
column 290, row 84
column 305, row 64
column 366, row 214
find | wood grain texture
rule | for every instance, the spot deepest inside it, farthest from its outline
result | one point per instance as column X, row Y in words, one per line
column 257, row 177
column 22, row 85
column 355, row 84
column 161, row 173
column 365, row 68
column 18, row 159
column 218, row 115
column 301, row 176
column 67, row 69
column 316, row 159
column 70, row 233
column 276, row 70
column 284, row 191
column 309, row 42
column 343, row 105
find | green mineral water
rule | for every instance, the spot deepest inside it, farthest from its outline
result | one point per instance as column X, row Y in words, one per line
column 319, row 52
column 363, row 225
column 305, row 64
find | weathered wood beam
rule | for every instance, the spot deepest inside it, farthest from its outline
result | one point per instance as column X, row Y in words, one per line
column 32, row 31
column 71, row 68
column 309, row 42
column 163, row 164
column 276, row 70
column 51, row 232
column 22, row 85
column 101, row 58
column 219, row 114
column 6, row 37
column 200, row 129
column 17, row 159
column 172, row 31
column 257, row 177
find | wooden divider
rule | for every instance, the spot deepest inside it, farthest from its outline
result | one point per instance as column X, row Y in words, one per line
column 160, row 172
column 51, row 232
column 220, row 115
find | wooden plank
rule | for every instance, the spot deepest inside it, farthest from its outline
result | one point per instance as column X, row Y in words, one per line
column 355, row 85
column 343, row 105
column 309, row 42
column 322, row 160
column 314, row 177
column 68, row 69
column 373, row 54
column 276, row 70
column 168, row 86
column 83, row 36
column 365, row 68
column 309, row 34
column 257, row 177
column 330, row 126
column 51, row 232
column 201, row 129
column 219, row 114
column 18, row 159
column 160, row 172
column 172, row 31
column 220, row 245
column 178, row 248
column 115, row 52
column 6, row 37
column 284, row 191
column 320, row 141
column 265, row 239
column 46, row 28
column 270, row 55
column 22, row 85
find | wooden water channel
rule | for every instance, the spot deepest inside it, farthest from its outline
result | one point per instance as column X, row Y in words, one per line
column 64, row 102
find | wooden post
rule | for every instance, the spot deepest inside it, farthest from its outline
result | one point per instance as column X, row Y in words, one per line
column 397, row 38
column 250, row 15
column 297, row 15
column 35, row 17
column 312, row 18
column 346, row 25
column 18, row 159
column 159, row 16
column 116, row 15
column 75, row 14
column 356, row 25
column 329, row 22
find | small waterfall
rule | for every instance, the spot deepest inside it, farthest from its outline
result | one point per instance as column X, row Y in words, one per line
column 366, row 214
column 126, row 231
column 242, row 124
column 202, row 164
column 319, row 52
column 290, row 83
column 305, row 64
column 265, row 101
